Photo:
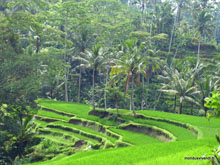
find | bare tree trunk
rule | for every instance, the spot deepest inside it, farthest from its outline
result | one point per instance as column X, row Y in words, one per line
column 205, row 108
column 151, row 21
column 180, row 109
column 65, row 54
column 151, row 27
column 199, row 44
column 175, row 104
column 106, row 82
column 93, row 88
column 147, row 85
column 116, row 104
column 142, row 97
column 178, row 14
column 66, row 88
column 38, row 45
column 79, row 85
column 132, row 95
column 172, row 33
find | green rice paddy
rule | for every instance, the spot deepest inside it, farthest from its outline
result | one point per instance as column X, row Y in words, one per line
column 113, row 145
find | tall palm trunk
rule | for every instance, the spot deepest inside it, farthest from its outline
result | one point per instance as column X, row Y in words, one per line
column 132, row 96
column 199, row 45
column 181, row 107
column 151, row 21
column 175, row 104
column 38, row 45
column 93, row 88
column 178, row 14
column 142, row 97
column 172, row 33
column 205, row 108
column 80, row 78
column 79, row 85
column 116, row 105
column 66, row 76
column 105, row 97
column 147, row 86
column 66, row 88
column 151, row 27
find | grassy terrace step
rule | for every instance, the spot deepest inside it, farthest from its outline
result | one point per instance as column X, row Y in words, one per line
column 74, row 135
column 40, row 123
column 134, row 138
column 85, row 130
column 156, row 153
column 79, row 110
column 85, row 123
column 93, row 125
column 179, row 132
column 78, row 121
column 54, row 115
column 208, row 128
column 57, row 112
column 179, row 124
column 57, row 139
column 70, row 132
column 144, row 149
column 78, row 127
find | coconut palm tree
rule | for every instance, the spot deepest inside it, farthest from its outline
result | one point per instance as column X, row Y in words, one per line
column 93, row 59
column 181, row 87
column 204, row 26
column 205, row 86
column 180, row 5
column 129, row 66
column 167, row 76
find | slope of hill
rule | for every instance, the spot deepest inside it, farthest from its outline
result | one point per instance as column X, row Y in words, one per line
column 84, row 136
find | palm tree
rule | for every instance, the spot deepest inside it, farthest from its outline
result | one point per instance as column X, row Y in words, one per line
column 93, row 59
column 203, row 26
column 181, row 87
column 167, row 76
column 130, row 66
column 180, row 5
column 28, row 129
column 81, row 41
column 205, row 86
column 151, row 64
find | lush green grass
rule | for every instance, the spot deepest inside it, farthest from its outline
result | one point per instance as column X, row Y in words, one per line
column 52, row 115
column 155, row 153
column 209, row 128
column 84, row 129
column 80, row 110
column 146, row 150
column 57, row 139
column 179, row 132
column 76, row 136
column 134, row 138
column 41, row 123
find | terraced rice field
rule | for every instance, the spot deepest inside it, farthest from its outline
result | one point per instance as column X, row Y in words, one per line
column 102, row 137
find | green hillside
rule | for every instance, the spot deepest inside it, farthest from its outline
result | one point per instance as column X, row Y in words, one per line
column 105, row 138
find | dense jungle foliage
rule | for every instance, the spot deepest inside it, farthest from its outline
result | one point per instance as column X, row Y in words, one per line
column 113, row 54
